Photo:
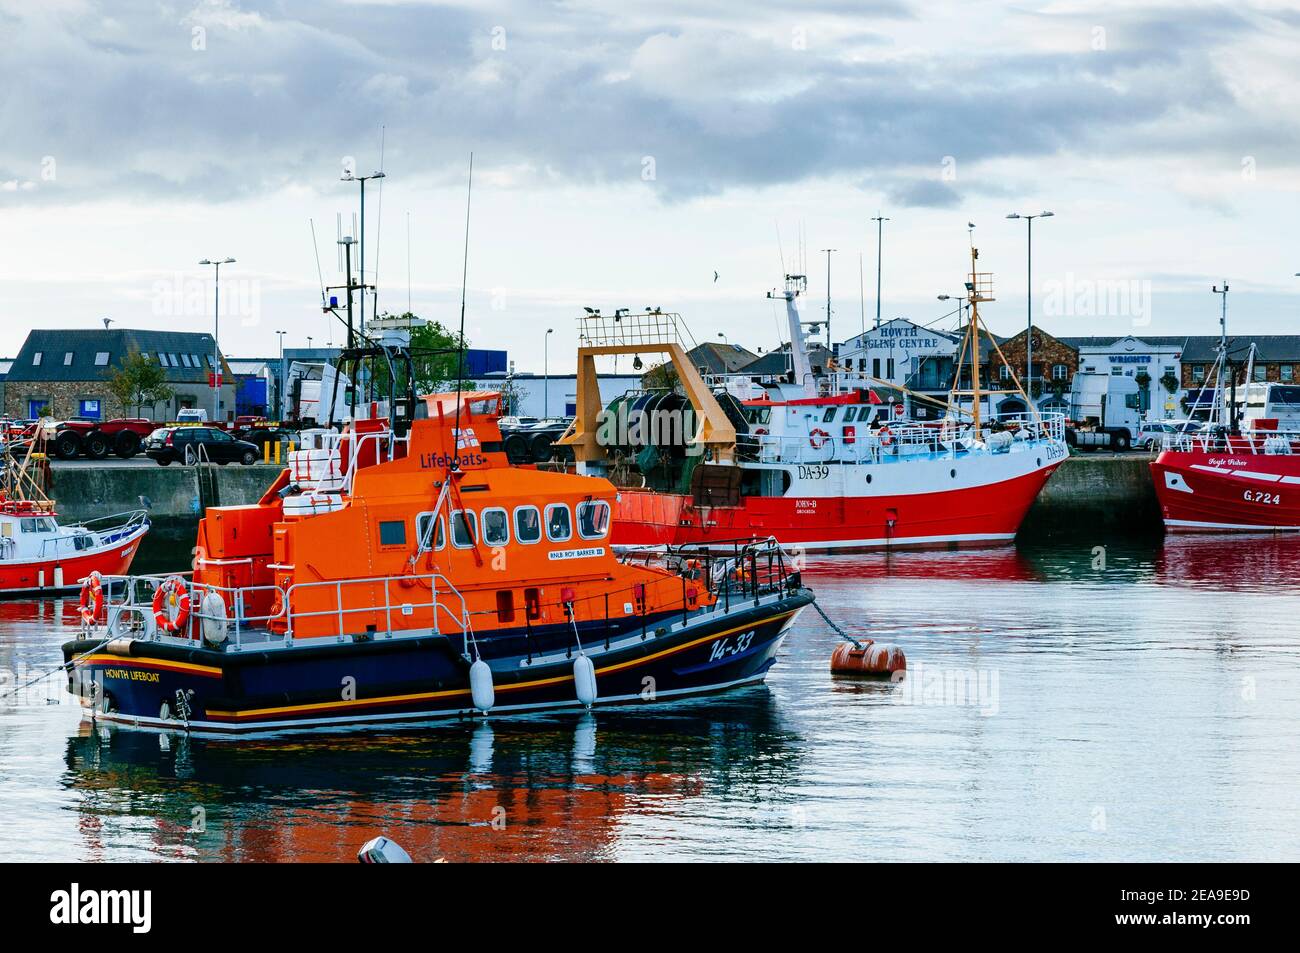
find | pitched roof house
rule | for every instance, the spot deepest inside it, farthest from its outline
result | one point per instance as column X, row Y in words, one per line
column 65, row 373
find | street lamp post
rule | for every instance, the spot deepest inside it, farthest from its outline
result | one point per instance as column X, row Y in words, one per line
column 279, row 384
column 546, row 373
column 880, row 238
column 216, row 264
column 1029, row 294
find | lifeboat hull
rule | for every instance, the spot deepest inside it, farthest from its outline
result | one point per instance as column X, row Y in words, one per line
column 39, row 576
column 141, row 683
column 1207, row 492
column 979, row 506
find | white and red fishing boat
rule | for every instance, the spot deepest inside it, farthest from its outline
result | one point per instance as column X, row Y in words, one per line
column 821, row 463
column 38, row 553
column 1237, row 474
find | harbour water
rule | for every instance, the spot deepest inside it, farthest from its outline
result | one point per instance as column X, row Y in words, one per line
column 1072, row 700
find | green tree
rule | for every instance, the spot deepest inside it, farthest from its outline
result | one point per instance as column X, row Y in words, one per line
column 433, row 372
column 138, row 381
column 661, row 377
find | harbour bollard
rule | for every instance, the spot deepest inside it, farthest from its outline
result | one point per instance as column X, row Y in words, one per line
column 875, row 659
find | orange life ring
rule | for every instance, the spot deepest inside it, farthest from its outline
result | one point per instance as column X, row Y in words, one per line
column 817, row 438
column 167, row 591
column 92, row 598
column 886, row 437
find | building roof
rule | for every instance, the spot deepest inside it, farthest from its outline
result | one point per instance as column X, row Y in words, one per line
column 720, row 358
column 776, row 363
column 1157, row 340
column 1269, row 347
column 87, row 345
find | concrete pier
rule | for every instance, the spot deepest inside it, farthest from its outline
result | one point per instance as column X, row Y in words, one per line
column 1097, row 492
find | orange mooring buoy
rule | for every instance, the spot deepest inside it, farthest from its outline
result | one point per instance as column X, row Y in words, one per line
column 879, row 659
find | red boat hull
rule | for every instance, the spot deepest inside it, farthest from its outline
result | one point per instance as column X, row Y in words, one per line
column 1201, row 491
column 39, row 576
column 978, row 515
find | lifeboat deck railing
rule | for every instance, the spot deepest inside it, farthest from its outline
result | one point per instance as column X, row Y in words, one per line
column 129, row 609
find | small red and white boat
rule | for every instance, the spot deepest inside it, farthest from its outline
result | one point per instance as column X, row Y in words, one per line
column 1235, row 479
column 822, row 463
column 38, row 554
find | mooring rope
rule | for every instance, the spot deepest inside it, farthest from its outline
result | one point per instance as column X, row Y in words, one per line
column 58, row 668
column 838, row 631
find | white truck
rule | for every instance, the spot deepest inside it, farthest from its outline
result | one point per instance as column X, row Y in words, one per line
column 309, row 388
column 1105, row 412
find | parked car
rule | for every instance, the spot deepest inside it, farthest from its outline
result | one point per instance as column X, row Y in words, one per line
column 189, row 444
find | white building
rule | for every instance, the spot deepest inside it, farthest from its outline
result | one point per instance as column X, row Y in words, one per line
column 902, row 353
column 555, row 395
column 1153, row 356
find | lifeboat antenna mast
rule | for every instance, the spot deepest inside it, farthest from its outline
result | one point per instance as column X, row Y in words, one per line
column 460, row 340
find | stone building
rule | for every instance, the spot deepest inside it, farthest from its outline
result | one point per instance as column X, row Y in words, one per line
column 64, row 373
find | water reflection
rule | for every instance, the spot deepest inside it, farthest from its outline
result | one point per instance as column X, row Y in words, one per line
column 556, row 787
column 1154, row 686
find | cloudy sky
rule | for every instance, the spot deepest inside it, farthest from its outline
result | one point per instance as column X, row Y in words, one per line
column 626, row 151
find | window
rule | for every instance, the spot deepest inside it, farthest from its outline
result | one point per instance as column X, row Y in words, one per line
column 101, row 359
column 1090, row 369
column 220, row 436
column 875, row 367
column 174, row 362
column 1287, row 373
column 462, row 528
column 528, row 524
column 194, row 360
column 558, row 527
column 1004, row 372
column 38, row 407
column 593, row 519
column 185, row 359
column 208, row 358
column 1260, row 374
column 36, row 359
column 67, row 358
column 1059, row 372
column 40, row 524
column 1198, row 373
column 392, row 532
column 829, row 415
column 89, row 408
column 850, row 414
column 162, row 358
column 889, row 373
column 422, row 527
column 496, row 527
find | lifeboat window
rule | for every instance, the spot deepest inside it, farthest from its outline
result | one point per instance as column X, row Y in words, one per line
column 593, row 519
column 496, row 527
column 830, row 415
column 505, row 602
column 462, row 528
column 423, row 523
column 850, row 413
column 558, row 527
column 528, row 524
column 392, row 533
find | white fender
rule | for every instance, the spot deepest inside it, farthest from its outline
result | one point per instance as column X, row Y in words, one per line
column 480, row 686
column 213, row 610
column 584, row 680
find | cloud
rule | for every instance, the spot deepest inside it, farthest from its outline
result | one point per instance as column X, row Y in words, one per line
column 130, row 100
